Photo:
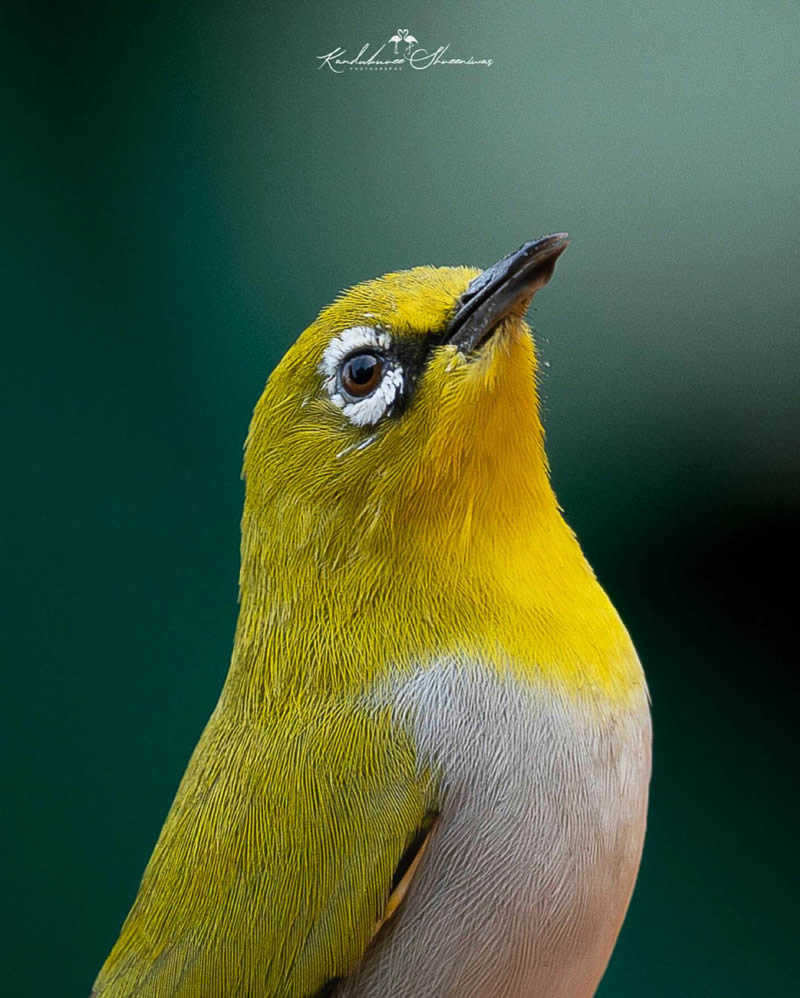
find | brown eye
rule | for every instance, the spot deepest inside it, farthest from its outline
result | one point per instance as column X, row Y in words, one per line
column 361, row 374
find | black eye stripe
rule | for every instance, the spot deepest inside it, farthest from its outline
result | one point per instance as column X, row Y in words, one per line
column 412, row 354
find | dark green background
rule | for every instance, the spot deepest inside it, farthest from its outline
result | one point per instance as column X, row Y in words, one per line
column 185, row 189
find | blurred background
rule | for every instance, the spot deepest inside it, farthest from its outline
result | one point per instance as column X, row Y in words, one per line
column 186, row 185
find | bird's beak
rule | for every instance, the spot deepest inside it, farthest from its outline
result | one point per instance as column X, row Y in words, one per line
column 502, row 290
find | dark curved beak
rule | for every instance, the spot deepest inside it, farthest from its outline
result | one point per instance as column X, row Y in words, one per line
column 502, row 290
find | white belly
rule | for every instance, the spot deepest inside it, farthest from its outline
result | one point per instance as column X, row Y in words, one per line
column 523, row 887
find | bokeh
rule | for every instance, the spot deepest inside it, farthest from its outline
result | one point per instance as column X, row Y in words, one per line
column 185, row 187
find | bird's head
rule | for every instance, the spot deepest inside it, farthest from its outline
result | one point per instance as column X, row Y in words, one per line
column 408, row 407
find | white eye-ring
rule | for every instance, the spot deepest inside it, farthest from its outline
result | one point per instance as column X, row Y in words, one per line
column 360, row 375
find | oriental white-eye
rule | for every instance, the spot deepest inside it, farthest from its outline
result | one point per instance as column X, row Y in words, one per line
column 427, row 773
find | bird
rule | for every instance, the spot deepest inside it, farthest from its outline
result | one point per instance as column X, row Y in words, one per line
column 427, row 772
column 410, row 41
column 398, row 38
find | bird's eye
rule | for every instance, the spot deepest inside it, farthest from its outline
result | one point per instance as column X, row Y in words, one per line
column 361, row 374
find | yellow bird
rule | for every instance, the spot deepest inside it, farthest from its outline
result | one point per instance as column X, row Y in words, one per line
column 427, row 772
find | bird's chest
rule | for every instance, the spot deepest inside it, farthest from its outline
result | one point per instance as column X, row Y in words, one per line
column 531, row 865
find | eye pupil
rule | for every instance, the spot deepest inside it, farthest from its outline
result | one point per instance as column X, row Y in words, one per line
column 360, row 369
column 362, row 373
